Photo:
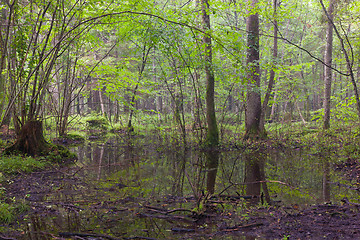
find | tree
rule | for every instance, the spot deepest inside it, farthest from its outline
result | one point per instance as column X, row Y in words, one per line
column 253, row 101
column 35, row 50
column 327, row 66
column 272, row 71
column 212, row 137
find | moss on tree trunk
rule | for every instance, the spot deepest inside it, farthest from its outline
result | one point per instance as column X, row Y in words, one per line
column 31, row 142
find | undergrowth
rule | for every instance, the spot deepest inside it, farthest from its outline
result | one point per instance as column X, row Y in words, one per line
column 15, row 163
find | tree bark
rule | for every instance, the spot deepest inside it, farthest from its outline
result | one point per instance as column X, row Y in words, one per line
column 31, row 140
column 212, row 137
column 272, row 72
column 253, row 101
column 349, row 62
column 327, row 67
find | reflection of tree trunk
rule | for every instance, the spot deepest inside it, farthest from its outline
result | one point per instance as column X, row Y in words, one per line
column 129, row 151
column 252, row 178
column 100, row 161
column 255, row 177
column 179, row 169
column 326, row 181
column 212, row 163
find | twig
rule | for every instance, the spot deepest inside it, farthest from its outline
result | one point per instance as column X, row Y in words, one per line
column 165, row 211
column 167, row 217
column 144, row 238
column 7, row 238
column 69, row 234
column 237, row 228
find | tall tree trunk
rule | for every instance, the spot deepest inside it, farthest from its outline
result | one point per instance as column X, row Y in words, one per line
column 144, row 58
column 212, row 137
column 272, row 72
column 6, row 17
column 253, row 101
column 349, row 62
column 327, row 67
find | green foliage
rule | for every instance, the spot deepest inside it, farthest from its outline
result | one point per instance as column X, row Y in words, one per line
column 11, row 209
column 75, row 136
column 15, row 164
column 60, row 154
column 96, row 121
column 6, row 213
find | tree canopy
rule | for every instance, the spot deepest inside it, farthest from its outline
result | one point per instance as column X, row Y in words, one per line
column 121, row 58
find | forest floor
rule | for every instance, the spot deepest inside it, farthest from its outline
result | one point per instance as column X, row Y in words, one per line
column 324, row 221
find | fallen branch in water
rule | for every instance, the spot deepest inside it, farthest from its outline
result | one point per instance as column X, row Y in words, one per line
column 142, row 238
column 239, row 227
column 165, row 211
column 69, row 234
column 6, row 238
column 163, row 216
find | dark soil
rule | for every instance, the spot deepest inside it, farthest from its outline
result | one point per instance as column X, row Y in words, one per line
column 316, row 222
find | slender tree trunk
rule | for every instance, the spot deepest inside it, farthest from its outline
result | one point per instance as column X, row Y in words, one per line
column 272, row 72
column 349, row 62
column 102, row 107
column 253, row 101
column 212, row 137
column 144, row 58
column 327, row 67
column 6, row 17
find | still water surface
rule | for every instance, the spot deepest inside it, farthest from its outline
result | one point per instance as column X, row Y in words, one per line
column 115, row 182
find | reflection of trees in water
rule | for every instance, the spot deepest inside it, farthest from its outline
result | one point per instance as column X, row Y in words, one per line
column 326, row 181
column 212, row 163
column 40, row 227
column 177, row 170
column 255, row 177
column 196, row 169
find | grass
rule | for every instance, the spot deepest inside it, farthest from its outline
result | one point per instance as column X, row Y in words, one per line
column 10, row 211
column 15, row 163
column 11, row 208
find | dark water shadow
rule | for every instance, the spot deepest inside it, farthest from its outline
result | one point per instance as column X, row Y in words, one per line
column 254, row 180
column 212, row 164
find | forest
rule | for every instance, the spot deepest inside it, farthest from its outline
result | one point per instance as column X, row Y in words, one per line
column 179, row 119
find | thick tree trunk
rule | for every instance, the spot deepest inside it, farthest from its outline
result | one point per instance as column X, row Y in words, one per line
column 253, row 101
column 31, row 140
column 212, row 137
column 327, row 69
